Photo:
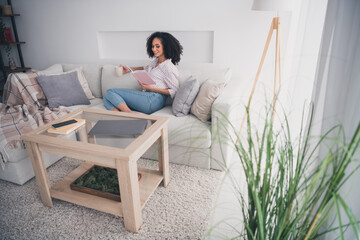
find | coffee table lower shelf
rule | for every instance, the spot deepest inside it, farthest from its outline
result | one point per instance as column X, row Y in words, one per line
column 149, row 181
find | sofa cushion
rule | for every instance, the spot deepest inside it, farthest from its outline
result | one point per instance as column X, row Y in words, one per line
column 92, row 73
column 208, row 93
column 93, row 102
column 62, row 89
column 185, row 96
column 203, row 72
column 109, row 79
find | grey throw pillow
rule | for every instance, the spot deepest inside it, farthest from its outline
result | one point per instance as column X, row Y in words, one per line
column 185, row 96
column 63, row 90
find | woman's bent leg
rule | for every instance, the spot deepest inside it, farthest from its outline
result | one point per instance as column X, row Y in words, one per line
column 145, row 102
column 113, row 101
column 108, row 104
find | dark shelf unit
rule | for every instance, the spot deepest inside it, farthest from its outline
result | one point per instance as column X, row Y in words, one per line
column 6, row 69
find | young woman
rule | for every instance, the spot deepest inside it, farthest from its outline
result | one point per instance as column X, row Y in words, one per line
column 167, row 50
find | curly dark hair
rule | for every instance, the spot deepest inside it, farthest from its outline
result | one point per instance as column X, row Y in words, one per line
column 171, row 46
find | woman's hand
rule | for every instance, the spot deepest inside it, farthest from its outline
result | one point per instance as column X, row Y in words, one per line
column 154, row 89
column 146, row 87
column 125, row 68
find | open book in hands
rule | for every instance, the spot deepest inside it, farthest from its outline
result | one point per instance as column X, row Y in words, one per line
column 142, row 76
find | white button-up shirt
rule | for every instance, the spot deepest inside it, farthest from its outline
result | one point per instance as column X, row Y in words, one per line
column 165, row 76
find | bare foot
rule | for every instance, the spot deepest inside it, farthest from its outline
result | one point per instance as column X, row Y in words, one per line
column 124, row 108
column 115, row 110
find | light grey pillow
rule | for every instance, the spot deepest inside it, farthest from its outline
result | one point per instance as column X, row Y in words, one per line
column 185, row 96
column 63, row 90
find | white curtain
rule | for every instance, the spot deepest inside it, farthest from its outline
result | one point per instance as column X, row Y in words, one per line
column 336, row 93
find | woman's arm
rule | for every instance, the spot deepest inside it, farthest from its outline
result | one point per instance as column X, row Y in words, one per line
column 137, row 68
column 126, row 70
column 154, row 89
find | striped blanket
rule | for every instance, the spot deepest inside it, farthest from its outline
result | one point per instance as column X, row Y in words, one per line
column 24, row 108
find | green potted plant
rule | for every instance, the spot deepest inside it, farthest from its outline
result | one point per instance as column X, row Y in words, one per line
column 291, row 192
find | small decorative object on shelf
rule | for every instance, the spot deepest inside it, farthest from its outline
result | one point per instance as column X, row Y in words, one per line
column 12, row 64
column 9, row 41
column 8, row 35
column 6, row 10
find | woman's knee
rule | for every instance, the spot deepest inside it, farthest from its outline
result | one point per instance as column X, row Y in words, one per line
column 109, row 91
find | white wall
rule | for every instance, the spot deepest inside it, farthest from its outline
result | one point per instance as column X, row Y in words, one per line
column 70, row 31
column 67, row 31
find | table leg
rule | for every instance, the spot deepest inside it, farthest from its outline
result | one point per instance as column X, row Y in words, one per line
column 130, row 194
column 41, row 176
column 164, row 156
column 91, row 139
column 82, row 134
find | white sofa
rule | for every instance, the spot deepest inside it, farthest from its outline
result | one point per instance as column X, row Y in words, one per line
column 191, row 141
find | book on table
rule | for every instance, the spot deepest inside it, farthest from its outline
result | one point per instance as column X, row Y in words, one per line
column 133, row 127
column 64, row 130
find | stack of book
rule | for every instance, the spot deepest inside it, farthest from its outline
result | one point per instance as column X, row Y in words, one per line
column 67, row 126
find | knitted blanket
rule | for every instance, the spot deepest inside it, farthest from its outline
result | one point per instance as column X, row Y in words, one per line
column 24, row 109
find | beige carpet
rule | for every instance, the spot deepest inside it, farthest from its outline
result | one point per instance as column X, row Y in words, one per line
column 180, row 211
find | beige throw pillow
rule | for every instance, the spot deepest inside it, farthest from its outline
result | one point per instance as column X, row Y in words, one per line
column 208, row 93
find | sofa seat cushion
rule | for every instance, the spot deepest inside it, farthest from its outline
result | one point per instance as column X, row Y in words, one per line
column 18, row 154
column 93, row 102
column 186, row 131
column 15, row 154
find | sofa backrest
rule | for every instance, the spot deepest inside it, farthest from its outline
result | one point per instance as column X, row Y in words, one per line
column 109, row 79
column 92, row 74
column 204, row 72
column 103, row 77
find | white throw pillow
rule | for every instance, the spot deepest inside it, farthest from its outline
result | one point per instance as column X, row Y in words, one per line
column 208, row 93
column 53, row 69
column 83, row 82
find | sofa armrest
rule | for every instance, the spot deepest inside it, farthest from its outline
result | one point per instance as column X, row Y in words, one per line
column 226, row 115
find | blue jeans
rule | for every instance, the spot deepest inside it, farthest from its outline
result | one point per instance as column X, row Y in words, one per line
column 145, row 102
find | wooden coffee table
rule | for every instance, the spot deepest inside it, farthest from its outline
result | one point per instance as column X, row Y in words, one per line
column 134, row 193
